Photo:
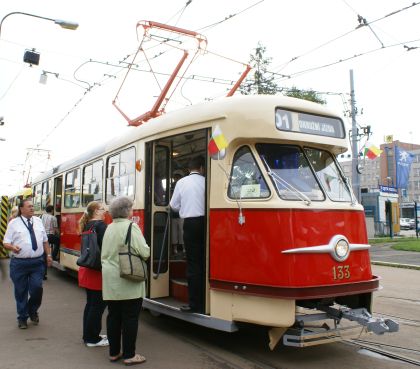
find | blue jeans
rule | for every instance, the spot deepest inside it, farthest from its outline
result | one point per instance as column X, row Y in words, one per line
column 27, row 275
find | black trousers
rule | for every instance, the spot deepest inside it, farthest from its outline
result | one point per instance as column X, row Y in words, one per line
column 54, row 241
column 194, row 241
column 92, row 316
column 122, row 321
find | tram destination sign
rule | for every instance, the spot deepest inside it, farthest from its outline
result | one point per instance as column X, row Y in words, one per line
column 287, row 120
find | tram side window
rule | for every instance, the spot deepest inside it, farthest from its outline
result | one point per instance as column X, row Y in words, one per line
column 92, row 183
column 72, row 189
column 120, row 174
column 46, row 195
column 290, row 172
column 161, row 180
column 37, row 197
column 329, row 174
column 246, row 180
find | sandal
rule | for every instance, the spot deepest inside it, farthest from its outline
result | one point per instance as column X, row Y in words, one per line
column 113, row 359
column 136, row 359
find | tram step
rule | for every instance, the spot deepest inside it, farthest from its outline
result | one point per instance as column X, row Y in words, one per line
column 179, row 289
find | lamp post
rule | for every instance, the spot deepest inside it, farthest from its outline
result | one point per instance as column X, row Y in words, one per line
column 60, row 22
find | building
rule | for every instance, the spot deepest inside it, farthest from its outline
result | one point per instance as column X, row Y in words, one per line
column 378, row 185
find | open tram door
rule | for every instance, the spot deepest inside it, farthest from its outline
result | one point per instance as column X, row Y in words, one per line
column 57, row 197
column 159, row 182
column 166, row 159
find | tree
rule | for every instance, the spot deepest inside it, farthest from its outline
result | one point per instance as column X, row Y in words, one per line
column 262, row 81
column 309, row 95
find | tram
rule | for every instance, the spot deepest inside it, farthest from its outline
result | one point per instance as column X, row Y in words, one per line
column 19, row 196
column 286, row 240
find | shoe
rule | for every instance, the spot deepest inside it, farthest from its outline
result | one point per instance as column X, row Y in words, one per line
column 114, row 359
column 22, row 324
column 136, row 359
column 187, row 309
column 103, row 336
column 103, row 342
column 34, row 319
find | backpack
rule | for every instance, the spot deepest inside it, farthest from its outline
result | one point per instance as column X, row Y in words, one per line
column 90, row 253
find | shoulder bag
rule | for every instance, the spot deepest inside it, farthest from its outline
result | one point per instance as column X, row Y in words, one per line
column 90, row 253
column 132, row 266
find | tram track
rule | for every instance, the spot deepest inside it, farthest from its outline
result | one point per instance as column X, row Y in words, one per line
column 376, row 347
column 406, row 321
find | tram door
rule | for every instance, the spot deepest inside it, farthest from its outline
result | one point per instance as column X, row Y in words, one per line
column 58, row 192
column 160, row 234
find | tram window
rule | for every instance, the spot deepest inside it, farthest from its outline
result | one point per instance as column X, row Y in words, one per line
column 161, row 179
column 46, row 194
column 37, row 197
column 290, row 172
column 72, row 189
column 246, row 180
column 329, row 174
column 92, row 183
column 120, row 174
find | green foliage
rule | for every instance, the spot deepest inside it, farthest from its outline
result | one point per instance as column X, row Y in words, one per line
column 309, row 95
column 261, row 81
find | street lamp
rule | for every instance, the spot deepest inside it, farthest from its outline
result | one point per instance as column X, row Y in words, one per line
column 62, row 23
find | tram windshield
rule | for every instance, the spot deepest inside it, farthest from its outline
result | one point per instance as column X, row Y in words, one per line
column 290, row 172
column 329, row 174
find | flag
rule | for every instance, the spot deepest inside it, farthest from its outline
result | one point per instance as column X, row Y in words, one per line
column 403, row 160
column 371, row 151
column 217, row 141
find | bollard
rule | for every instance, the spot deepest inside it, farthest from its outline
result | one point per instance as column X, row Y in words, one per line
column 4, row 213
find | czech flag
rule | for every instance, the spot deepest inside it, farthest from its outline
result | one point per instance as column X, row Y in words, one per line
column 371, row 151
column 217, row 141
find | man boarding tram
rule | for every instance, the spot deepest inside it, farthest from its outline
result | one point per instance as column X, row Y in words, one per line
column 188, row 199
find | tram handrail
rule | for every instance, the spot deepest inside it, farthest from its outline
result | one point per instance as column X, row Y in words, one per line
column 156, row 275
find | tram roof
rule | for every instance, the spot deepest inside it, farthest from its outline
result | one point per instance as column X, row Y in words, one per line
column 249, row 109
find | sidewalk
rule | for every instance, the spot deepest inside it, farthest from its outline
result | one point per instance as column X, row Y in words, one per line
column 383, row 254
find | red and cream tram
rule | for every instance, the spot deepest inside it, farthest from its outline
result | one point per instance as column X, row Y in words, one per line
column 286, row 239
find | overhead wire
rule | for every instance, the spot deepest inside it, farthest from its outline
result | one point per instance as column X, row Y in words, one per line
column 284, row 65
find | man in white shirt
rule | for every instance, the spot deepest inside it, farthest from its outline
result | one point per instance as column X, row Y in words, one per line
column 26, row 239
column 189, row 200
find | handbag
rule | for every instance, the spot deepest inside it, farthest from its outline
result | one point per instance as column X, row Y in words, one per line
column 90, row 253
column 132, row 266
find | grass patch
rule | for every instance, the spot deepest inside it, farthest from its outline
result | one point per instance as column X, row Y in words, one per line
column 407, row 245
column 382, row 240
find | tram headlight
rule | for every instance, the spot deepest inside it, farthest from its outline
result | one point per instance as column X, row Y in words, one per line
column 341, row 249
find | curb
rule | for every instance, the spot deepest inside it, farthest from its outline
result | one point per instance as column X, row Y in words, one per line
column 396, row 265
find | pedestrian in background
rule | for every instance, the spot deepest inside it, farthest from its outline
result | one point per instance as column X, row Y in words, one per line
column 26, row 238
column 91, row 280
column 51, row 227
column 124, row 297
column 13, row 213
column 188, row 199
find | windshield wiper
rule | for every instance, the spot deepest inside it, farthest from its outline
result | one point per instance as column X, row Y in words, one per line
column 287, row 185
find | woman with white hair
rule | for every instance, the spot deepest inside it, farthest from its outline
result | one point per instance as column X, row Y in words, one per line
column 124, row 297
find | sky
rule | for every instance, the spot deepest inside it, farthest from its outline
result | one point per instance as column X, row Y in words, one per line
column 312, row 45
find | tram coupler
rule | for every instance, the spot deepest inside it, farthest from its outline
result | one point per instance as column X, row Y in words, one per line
column 363, row 317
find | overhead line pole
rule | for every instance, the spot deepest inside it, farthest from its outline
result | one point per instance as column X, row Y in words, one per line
column 355, row 180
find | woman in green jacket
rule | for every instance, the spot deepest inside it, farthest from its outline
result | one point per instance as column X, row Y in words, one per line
column 124, row 297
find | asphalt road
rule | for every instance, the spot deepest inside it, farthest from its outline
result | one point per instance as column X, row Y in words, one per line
column 171, row 344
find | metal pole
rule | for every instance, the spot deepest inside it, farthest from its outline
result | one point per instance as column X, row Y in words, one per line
column 355, row 181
